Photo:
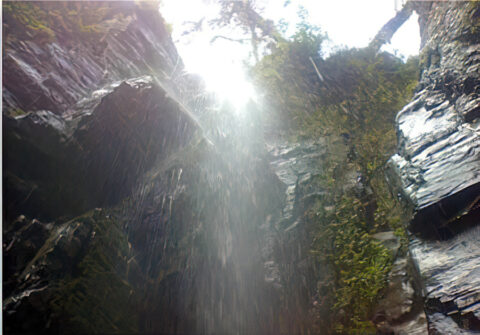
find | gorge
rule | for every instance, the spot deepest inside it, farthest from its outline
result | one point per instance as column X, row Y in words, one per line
column 135, row 203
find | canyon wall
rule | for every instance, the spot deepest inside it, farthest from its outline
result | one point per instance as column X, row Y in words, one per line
column 436, row 172
column 128, row 207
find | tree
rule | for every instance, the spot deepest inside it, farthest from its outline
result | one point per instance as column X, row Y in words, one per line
column 289, row 68
column 245, row 15
column 388, row 30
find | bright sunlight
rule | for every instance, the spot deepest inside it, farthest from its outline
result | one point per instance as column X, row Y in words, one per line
column 348, row 23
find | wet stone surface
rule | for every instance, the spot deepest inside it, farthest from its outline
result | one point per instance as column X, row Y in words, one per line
column 436, row 171
column 98, row 156
column 287, row 259
column 451, row 279
column 57, row 75
column 400, row 310
column 439, row 146
column 296, row 164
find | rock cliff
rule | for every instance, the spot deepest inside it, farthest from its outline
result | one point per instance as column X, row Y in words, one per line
column 122, row 213
column 60, row 53
column 133, row 204
column 436, row 170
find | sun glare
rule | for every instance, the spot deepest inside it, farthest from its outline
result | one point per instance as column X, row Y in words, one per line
column 349, row 23
column 406, row 41
column 221, row 66
column 219, row 63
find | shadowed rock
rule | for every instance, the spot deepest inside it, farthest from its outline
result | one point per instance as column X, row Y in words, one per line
column 129, row 41
column 451, row 279
column 58, row 166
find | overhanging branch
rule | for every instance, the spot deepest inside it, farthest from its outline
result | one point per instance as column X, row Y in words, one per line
column 388, row 30
column 239, row 40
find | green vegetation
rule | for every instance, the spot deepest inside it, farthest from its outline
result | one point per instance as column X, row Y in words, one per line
column 96, row 297
column 13, row 112
column 287, row 73
column 359, row 262
column 44, row 22
column 27, row 21
column 351, row 99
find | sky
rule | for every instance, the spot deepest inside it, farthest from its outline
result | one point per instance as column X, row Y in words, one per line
column 350, row 23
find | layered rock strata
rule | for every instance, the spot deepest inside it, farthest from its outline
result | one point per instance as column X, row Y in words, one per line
column 436, row 171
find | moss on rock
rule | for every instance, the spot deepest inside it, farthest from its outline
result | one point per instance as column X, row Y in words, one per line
column 96, row 297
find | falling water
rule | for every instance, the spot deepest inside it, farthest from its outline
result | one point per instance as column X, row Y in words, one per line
column 207, row 229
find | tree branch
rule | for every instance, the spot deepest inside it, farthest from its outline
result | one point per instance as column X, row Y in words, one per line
column 239, row 40
column 316, row 70
column 388, row 30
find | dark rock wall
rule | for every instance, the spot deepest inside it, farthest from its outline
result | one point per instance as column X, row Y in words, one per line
column 56, row 166
column 124, row 214
column 120, row 215
column 130, row 41
column 85, row 132
column 196, row 224
column 436, row 172
column 288, row 261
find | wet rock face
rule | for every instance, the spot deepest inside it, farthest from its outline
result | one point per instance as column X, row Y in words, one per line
column 60, row 270
column 85, row 123
column 22, row 239
column 177, row 250
column 195, row 224
column 451, row 279
column 57, row 167
column 131, row 41
column 290, row 269
column 96, row 157
column 437, row 168
column 400, row 311
column 436, row 171
column 129, row 129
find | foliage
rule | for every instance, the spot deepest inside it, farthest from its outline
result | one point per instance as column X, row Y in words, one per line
column 364, row 113
column 360, row 263
column 246, row 16
column 44, row 22
column 349, row 98
column 287, row 70
column 97, row 298
column 28, row 16
column 14, row 112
